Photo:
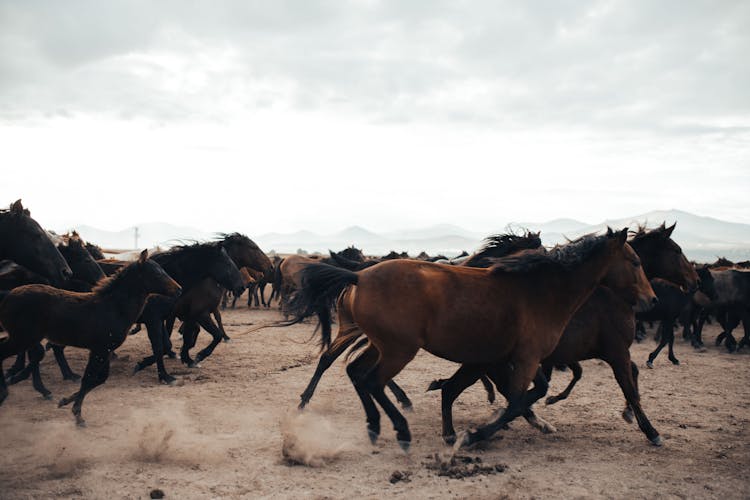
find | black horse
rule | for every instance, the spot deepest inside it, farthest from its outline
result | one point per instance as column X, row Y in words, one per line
column 23, row 241
column 189, row 265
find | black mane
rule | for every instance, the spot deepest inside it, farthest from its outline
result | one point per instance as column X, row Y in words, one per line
column 502, row 245
column 561, row 257
column 228, row 238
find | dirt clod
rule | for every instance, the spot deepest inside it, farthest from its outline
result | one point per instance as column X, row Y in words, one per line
column 461, row 466
column 156, row 493
column 398, row 475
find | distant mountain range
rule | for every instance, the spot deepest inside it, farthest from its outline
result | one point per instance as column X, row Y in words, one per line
column 702, row 238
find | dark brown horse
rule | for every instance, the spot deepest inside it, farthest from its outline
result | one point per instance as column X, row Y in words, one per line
column 98, row 321
column 24, row 242
column 513, row 313
column 603, row 327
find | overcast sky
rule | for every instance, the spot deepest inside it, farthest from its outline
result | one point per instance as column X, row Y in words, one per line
column 279, row 116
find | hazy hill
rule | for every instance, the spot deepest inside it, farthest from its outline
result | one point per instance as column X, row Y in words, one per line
column 702, row 238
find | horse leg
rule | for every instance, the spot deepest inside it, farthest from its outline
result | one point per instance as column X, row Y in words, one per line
column 662, row 342
column 519, row 400
column 625, row 373
column 358, row 371
column 324, row 363
column 627, row 413
column 400, row 395
column 205, row 321
column 155, row 330
column 189, row 335
column 255, row 295
column 450, row 389
column 262, row 290
column 17, row 366
column 746, row 329
column 217, row 317
column 391, row 363
column 668, row 330
column 575, row 367
column 36, row 354
column 500, row 377
column 67, row 373
column 697, row 341
column 640, row 331
column 96, row 373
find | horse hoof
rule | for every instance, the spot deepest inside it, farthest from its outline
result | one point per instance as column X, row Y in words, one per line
column 138, row 367
column 675, row 362
column 81, row 423
column 62, row 402
column 450, row 439
column 404, row 445
column 167, row 380
column 650, row 364
column 550, row 400
column 407, row 407
column 47, row 396
column 226, row 340
column 463, row 439
column 373, row 436
column 656, row 440
column 627, row 415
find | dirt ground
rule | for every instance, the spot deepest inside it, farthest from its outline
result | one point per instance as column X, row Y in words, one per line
column 218, row 433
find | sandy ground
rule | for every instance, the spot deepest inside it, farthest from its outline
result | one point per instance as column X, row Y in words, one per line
column 218, row 432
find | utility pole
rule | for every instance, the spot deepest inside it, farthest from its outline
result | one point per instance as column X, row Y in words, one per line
column 136, row 237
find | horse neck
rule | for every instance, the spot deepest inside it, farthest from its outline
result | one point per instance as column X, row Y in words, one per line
column 573, row 286
column 125, row 293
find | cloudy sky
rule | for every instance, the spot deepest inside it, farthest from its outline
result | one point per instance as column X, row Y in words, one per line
column 286, row 115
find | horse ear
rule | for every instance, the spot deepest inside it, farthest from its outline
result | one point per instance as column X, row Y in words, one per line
column 609, row 231
column 622, row 236
column 668, row 230
column 143, row 256
column 16, row 207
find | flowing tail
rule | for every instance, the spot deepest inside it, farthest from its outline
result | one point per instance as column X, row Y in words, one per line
column 321, row 286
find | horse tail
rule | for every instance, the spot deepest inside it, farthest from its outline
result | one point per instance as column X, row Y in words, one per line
column 321, row 285
column 277, row 280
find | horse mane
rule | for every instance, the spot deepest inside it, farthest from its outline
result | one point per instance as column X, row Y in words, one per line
column 179, row 252
column 561, row 257
column 642, row 232
column 223, row 238
column 106, row 284
column 502, row 245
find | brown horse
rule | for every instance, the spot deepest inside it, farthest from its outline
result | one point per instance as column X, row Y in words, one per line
column 97, row 321
column 512, row 313
column 603, row 327
column 495, row 246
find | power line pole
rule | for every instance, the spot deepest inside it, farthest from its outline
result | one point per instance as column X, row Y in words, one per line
column 136, row 237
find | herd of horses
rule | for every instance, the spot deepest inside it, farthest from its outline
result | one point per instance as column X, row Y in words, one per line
column 508, row 314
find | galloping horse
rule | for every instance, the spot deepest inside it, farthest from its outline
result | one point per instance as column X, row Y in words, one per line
column 495, row 246
column 97, row 321
column 189, row 265
column 512, row 313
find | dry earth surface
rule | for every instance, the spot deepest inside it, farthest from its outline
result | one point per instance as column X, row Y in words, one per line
column 218, row 433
